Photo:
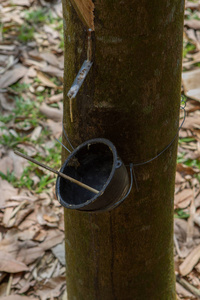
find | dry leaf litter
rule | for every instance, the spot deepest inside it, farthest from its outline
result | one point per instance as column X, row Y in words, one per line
column 187, row 188
column 32, row 260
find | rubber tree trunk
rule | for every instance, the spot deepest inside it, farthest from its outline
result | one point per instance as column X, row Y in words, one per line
column 131, row 97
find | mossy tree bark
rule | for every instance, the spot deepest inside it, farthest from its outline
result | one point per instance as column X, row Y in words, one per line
column 131, row 97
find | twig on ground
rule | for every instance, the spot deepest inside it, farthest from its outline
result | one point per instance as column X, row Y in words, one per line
column 8, row 289
column 188, row 286
column 177, row 247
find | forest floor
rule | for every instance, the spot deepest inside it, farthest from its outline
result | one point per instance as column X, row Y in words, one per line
column 32, row 260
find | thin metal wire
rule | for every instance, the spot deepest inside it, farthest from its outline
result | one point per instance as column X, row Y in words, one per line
column 63, row 145
column 65, row 134
column 135, row 179
column 150, row 160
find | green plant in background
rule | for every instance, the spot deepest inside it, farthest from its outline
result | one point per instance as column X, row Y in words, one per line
column 45, row 180
column 187, row 48
column 187, row 161
column 55, row 80
column 61, row 45
column 9, row 176
column 11, row 140
column 1, row 29
column 195, row 16
column 32, row 19
column 181, row 214
column 25, row 180
column 59, row 27
column 54, row 156
column 6, row 119
column 192, row 15
column 192, row 163
column 37, row 16
column 28, row 109
column 180, row 158
column 26, row 113
column 26, row 33
column 52, row 159
column 37, row 80
column 186, row 140
column 20, row 87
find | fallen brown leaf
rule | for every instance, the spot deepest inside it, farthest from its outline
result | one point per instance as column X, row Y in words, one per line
column 26, row 286
column 179, row 178
column 9, row 216
column 12, row 76
column 59, row 252
column 40, row 237
column 50, row 288
column 10, row 265
column 183, row 198
column 22, row 2
column 6, row 164
column 190, row 223
column 192, row 37
column 56, row 98
column 8, row 47
column 29, row 234
column 24, row 195
column 51, row 59
column 183, row 292
column 36, row 133
column 28, row 222
column 31, row 62
column 45, row 80
column 28, row 148
column 53, row 71
column 192, row 122
column 22, row 214
column 51, row 218
column 180, row 229
column 52, row 113
column 17, row 297
column 10, row 244
column 46, row 216
column 192, row 5
column 55, row 128
column 189, row 263
column 191, row 83
column 29, row 255
column 184, row 170
column 51, row 32
column 7, row 191
column 195, row 59
column 18, row 164
column 54, row 238
column 194, row 24
column 3, row 289
column 7, row 103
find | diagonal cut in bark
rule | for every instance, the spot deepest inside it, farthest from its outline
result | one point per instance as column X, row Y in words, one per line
column 85, row 11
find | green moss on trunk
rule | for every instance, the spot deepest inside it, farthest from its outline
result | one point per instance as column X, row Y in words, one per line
column 131, row 96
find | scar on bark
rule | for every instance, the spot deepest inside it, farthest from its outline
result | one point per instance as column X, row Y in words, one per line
column 85, row 11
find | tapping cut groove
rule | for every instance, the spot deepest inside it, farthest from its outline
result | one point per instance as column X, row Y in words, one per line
column 85, row 11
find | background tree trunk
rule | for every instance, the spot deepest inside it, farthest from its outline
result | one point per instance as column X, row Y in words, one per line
column 131, row 96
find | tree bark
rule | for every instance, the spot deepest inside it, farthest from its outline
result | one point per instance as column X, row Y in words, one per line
column 131, row 96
